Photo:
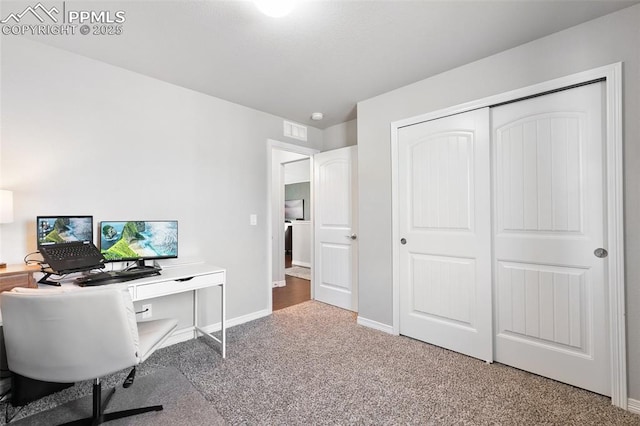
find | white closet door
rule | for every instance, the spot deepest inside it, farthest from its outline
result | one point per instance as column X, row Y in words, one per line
column 550, row 288
column 335, row 224
column 445, row 226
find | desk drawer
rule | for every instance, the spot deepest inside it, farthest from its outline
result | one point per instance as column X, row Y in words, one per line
column 163, row 288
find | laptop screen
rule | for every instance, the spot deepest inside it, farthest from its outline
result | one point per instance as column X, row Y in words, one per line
column 63, row 229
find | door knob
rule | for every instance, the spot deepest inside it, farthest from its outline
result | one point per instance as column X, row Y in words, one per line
column 601, row 253
column 403, row 241
column 352, row 236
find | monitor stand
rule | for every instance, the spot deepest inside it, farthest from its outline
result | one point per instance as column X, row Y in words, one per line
column 141, row 266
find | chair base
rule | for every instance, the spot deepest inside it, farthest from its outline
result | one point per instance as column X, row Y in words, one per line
column 113, row 416
column 99, row 416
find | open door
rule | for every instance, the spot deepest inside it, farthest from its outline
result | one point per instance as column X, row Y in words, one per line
column 335, row 228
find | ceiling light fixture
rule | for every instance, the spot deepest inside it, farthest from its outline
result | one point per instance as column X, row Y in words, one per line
column 317, row 116
column 275, row 8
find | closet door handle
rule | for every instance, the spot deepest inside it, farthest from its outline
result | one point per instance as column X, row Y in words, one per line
column 601, row 253
column 352, row 236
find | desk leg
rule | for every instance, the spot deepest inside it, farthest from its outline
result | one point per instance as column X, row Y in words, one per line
column 222, row 322
column 196, row 328
column 195, row 314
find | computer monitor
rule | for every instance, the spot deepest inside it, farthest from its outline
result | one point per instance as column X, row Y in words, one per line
column 139, row 240
column 63, row 229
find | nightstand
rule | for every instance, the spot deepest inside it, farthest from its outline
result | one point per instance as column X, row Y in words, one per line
column 18, row 276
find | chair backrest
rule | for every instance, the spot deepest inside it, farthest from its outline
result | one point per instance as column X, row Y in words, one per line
column 69, row 336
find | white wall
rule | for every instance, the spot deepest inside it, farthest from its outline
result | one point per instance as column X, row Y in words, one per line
column 82, row 137
column 610, row 39
column 340, row 135
column 297, row 171
column 301, row 243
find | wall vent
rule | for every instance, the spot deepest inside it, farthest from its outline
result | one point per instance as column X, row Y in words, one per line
column 295, row 131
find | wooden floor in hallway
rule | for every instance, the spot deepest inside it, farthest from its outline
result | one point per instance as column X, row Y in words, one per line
column 296, row 291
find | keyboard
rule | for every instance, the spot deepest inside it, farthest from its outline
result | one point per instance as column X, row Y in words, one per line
column 71, row 257
column 65, row 251
column 111, row 277
column 138, row 273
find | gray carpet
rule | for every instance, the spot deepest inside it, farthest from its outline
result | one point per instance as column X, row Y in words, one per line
column 312, row 364
column 299, row 272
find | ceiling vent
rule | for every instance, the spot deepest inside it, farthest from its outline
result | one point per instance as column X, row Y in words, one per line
column 295, row 131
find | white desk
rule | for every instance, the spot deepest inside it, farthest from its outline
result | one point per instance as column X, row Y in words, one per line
column 179, row 279
column 173, row 280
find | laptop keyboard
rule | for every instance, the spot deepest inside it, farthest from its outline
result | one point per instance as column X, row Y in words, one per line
column 63, row 252
column 72, row 257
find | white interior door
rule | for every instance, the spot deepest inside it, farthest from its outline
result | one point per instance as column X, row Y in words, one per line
column 335, row 256
column 445, row 225
column 551, row 290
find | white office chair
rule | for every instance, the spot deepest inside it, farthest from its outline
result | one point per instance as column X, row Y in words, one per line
column 80, row 334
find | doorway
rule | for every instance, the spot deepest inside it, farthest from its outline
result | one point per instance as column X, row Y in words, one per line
column 296, row 289
column 297, row 235
column 287, row 163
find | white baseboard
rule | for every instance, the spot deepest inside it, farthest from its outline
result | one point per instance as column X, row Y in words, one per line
column 633, row 405
column 300, row 263
column 238, row 320
column 178, row 336
column 375, row 325
column 282, row 283
column 185, row 334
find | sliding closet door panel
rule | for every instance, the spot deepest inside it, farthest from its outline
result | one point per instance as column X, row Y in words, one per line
column 551, row 290
column 444, row 222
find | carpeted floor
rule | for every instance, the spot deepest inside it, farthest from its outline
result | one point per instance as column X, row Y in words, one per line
column 312, row 364
column 299, row 272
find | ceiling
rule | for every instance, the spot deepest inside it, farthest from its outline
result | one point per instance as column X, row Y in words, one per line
column 325, row 56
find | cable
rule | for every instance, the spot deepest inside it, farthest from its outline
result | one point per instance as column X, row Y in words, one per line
column 33, row 261
column 59, row 278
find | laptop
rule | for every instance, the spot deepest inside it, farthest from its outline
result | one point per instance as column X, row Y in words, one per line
column 66, row 243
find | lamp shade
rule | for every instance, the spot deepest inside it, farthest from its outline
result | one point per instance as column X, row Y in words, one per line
column 6, row 206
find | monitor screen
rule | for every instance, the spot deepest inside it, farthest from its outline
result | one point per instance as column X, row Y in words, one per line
column 136, row 240
column 294, row 209
column 63, row 229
